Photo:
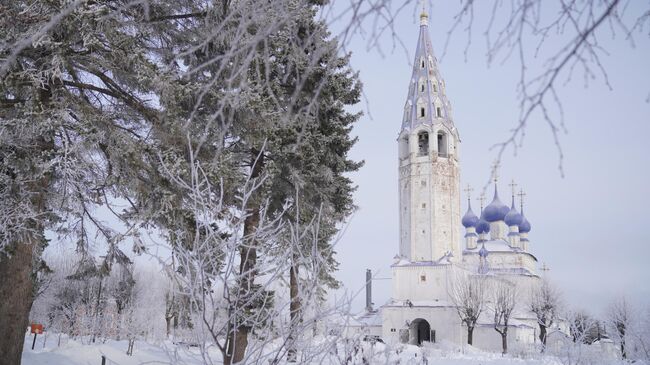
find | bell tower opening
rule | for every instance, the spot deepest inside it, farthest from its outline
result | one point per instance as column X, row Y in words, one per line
column 423, row 143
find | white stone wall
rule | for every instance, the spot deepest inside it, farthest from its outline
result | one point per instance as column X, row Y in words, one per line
column 503, row 260
column 486, row 338
column 408, row 284
column 429, row 197
column 444, row 320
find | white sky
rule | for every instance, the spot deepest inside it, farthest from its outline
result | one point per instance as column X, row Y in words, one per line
column 588, row 226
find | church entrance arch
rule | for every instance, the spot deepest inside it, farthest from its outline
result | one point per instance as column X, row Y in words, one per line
column 420, row 331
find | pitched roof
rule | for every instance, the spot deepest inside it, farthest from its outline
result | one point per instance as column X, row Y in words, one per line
column 427, row 88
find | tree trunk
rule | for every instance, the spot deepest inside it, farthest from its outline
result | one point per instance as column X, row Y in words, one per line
column 16, row 300
column 237, row 342
column 542, row 336
column 238, row 336
column 16, row 270
column 470, row 334
column 504, row 342
column 168, row 322
column 623, row 354
column 294, row 311
column 99, row 295
column 129, row 349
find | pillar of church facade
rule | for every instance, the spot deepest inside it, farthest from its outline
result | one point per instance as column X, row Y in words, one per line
column 523, row 239
column 513, row 236
column 471, row 238
column 498, row 230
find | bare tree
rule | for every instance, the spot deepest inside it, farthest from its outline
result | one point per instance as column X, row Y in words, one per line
column 583, row 327
column 620, row 316
column 467, row 293
column 565, row 38
column 545, row 304
column 504, row 297
column 577, row 348
column 208, row 82
column 641, row 335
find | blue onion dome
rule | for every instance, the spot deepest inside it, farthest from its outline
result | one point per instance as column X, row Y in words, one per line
column 513, row 218
column 469, row 219
column 483, row 252
column 482, row 226
column 524, row 226
column 496, row 210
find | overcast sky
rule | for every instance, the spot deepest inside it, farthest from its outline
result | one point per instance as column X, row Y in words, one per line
column 589, row 226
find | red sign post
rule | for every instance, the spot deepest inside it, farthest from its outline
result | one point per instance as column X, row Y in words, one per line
column 36, row 330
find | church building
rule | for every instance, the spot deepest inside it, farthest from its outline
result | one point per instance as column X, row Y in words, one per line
column 432, row 253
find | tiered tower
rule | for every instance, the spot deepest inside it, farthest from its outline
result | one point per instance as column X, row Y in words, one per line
column 429, row 196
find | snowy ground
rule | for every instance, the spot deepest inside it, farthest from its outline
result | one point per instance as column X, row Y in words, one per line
column 72, row 352
column 75, row 353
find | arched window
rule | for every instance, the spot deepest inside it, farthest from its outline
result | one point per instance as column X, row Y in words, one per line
column 442, row 145
column 435, row 88
column 421, row 108
column 438, row 112
column 422, row 84
column 423, row 143
column 422, row 65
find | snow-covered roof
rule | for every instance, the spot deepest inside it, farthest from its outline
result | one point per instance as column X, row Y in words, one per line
column 497, row 246
column 403, row 261
column 489, row 322
column 418, row 303
column 513, row 271
column 367, row 319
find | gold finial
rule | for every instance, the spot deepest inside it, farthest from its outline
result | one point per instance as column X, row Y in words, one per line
column 424, row 17
column 521, row 195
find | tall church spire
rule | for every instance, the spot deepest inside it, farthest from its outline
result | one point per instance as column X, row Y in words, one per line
column 428, row 145
column 427, row 101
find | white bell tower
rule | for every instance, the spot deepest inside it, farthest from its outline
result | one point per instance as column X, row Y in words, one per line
column 429, row 179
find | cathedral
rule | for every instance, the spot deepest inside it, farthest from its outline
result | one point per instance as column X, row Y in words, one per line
column 432, row 253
